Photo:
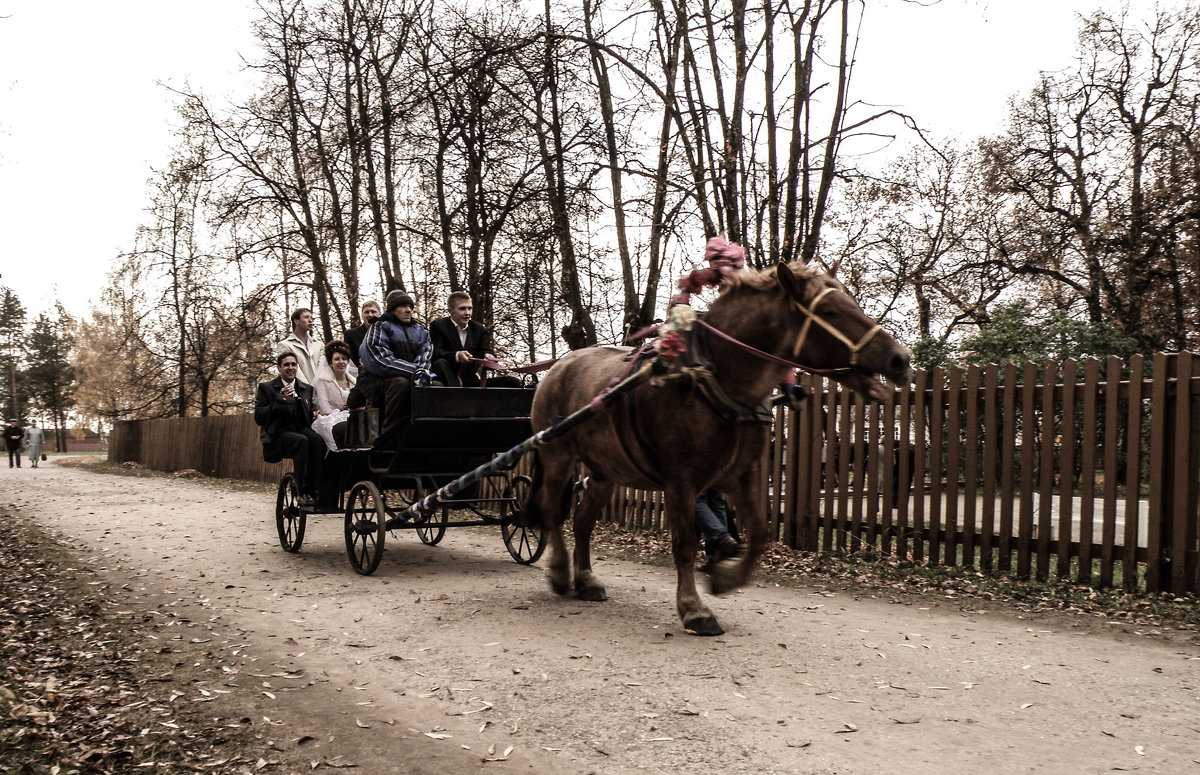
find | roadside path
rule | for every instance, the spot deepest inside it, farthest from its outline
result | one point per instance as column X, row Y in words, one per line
column 451, row 655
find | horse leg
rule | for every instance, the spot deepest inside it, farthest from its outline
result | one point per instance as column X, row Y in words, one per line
column 595, row 496
column 681, row 516
column 747, row 502
column 550, row 502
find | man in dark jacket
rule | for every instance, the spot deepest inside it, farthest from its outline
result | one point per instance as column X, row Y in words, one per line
column 13, row 434
column 459, row 343
column 284, row 411
column 354, row 336
column 395, row 354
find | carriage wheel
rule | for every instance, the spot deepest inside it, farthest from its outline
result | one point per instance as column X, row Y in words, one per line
column 290, row 520
column 433, row 529
column 366, row 520
column 525, row 542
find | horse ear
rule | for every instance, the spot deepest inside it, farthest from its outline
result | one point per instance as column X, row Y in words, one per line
column 789, row 281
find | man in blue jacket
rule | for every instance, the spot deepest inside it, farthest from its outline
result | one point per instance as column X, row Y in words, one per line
column 395, row 354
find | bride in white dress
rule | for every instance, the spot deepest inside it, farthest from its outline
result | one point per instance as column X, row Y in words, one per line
column 331, row 388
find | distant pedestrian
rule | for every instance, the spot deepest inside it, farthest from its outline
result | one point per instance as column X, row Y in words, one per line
column 14, row 434
column 34, row 438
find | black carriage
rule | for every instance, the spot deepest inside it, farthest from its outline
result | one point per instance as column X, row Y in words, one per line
column 450, row 433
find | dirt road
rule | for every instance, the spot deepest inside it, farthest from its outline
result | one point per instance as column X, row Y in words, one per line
column 451, row 655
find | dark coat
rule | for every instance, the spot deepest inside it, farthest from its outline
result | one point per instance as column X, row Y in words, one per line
column 13, row 434
column 395, row 349
column 446, row 343
column 354, row 337
column 275, row 414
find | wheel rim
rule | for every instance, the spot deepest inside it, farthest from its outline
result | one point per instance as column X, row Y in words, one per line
column 431, row 531
column 524, row 542
column 366, row 521
column 290, row 519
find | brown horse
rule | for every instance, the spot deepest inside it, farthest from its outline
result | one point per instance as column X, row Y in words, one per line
column 702, row 424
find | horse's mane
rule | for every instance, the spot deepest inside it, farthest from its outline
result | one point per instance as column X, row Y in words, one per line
column 760, row 279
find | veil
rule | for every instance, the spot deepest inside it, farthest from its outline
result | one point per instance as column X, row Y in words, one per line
column 324, row 371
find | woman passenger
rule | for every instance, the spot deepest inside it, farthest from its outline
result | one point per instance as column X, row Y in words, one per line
column 331, row 388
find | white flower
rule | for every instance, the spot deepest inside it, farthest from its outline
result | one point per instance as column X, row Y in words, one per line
column 681, row 317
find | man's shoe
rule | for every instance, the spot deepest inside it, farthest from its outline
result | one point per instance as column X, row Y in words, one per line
column 306, row 500
column 726, row 550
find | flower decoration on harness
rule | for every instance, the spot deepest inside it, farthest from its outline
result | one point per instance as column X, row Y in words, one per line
column 723, row 257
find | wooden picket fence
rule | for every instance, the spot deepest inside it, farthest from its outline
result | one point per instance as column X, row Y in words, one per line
column 1076, row 470
column 1039, row 471
column 225, row 446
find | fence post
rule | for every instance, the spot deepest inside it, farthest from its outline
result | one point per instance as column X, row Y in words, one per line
column 1158, row 525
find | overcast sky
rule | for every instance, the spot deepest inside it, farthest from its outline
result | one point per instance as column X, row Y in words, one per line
column 84, row 119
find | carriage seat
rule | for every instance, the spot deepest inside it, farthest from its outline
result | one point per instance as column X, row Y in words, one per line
column 458, row 428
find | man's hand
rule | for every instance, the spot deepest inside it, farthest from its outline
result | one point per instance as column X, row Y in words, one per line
column 462, row 356
column 289, row 391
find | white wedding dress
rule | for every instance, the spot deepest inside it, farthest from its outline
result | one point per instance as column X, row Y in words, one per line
column 324, row 423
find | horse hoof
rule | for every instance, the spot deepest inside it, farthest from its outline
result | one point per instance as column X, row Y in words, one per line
column 720, row 580
column 703, row 625
column 558, row 584
column 595, row 593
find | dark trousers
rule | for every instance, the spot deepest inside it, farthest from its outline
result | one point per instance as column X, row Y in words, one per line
column 306, row 450
column 14, row 453
column 712, row 519
column 391, row 396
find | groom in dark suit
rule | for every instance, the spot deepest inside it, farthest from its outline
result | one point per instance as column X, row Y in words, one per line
column 457, row 339
column 284, row 411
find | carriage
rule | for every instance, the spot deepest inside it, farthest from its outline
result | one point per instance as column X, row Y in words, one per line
column 684, row 412
column 450, row 433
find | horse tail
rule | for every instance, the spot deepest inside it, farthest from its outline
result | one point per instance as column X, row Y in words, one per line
column 534, row 514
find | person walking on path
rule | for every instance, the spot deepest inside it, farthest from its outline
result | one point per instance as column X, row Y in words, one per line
column 34, row 438
column 13, row 436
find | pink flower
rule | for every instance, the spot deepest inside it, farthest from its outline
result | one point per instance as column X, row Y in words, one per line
column 670, row 345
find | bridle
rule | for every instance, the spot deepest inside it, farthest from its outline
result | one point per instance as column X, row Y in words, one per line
column 811, row 316
column 811, row 312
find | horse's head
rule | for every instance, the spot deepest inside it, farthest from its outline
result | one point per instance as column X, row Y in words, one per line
column 836, row 337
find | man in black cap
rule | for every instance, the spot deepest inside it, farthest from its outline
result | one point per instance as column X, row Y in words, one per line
column 395, row 354
column 13, row 434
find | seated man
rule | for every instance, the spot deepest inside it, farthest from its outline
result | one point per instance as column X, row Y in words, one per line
column 354, row 336
column 284, row 411
column 395, row 354
column 457, row 340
